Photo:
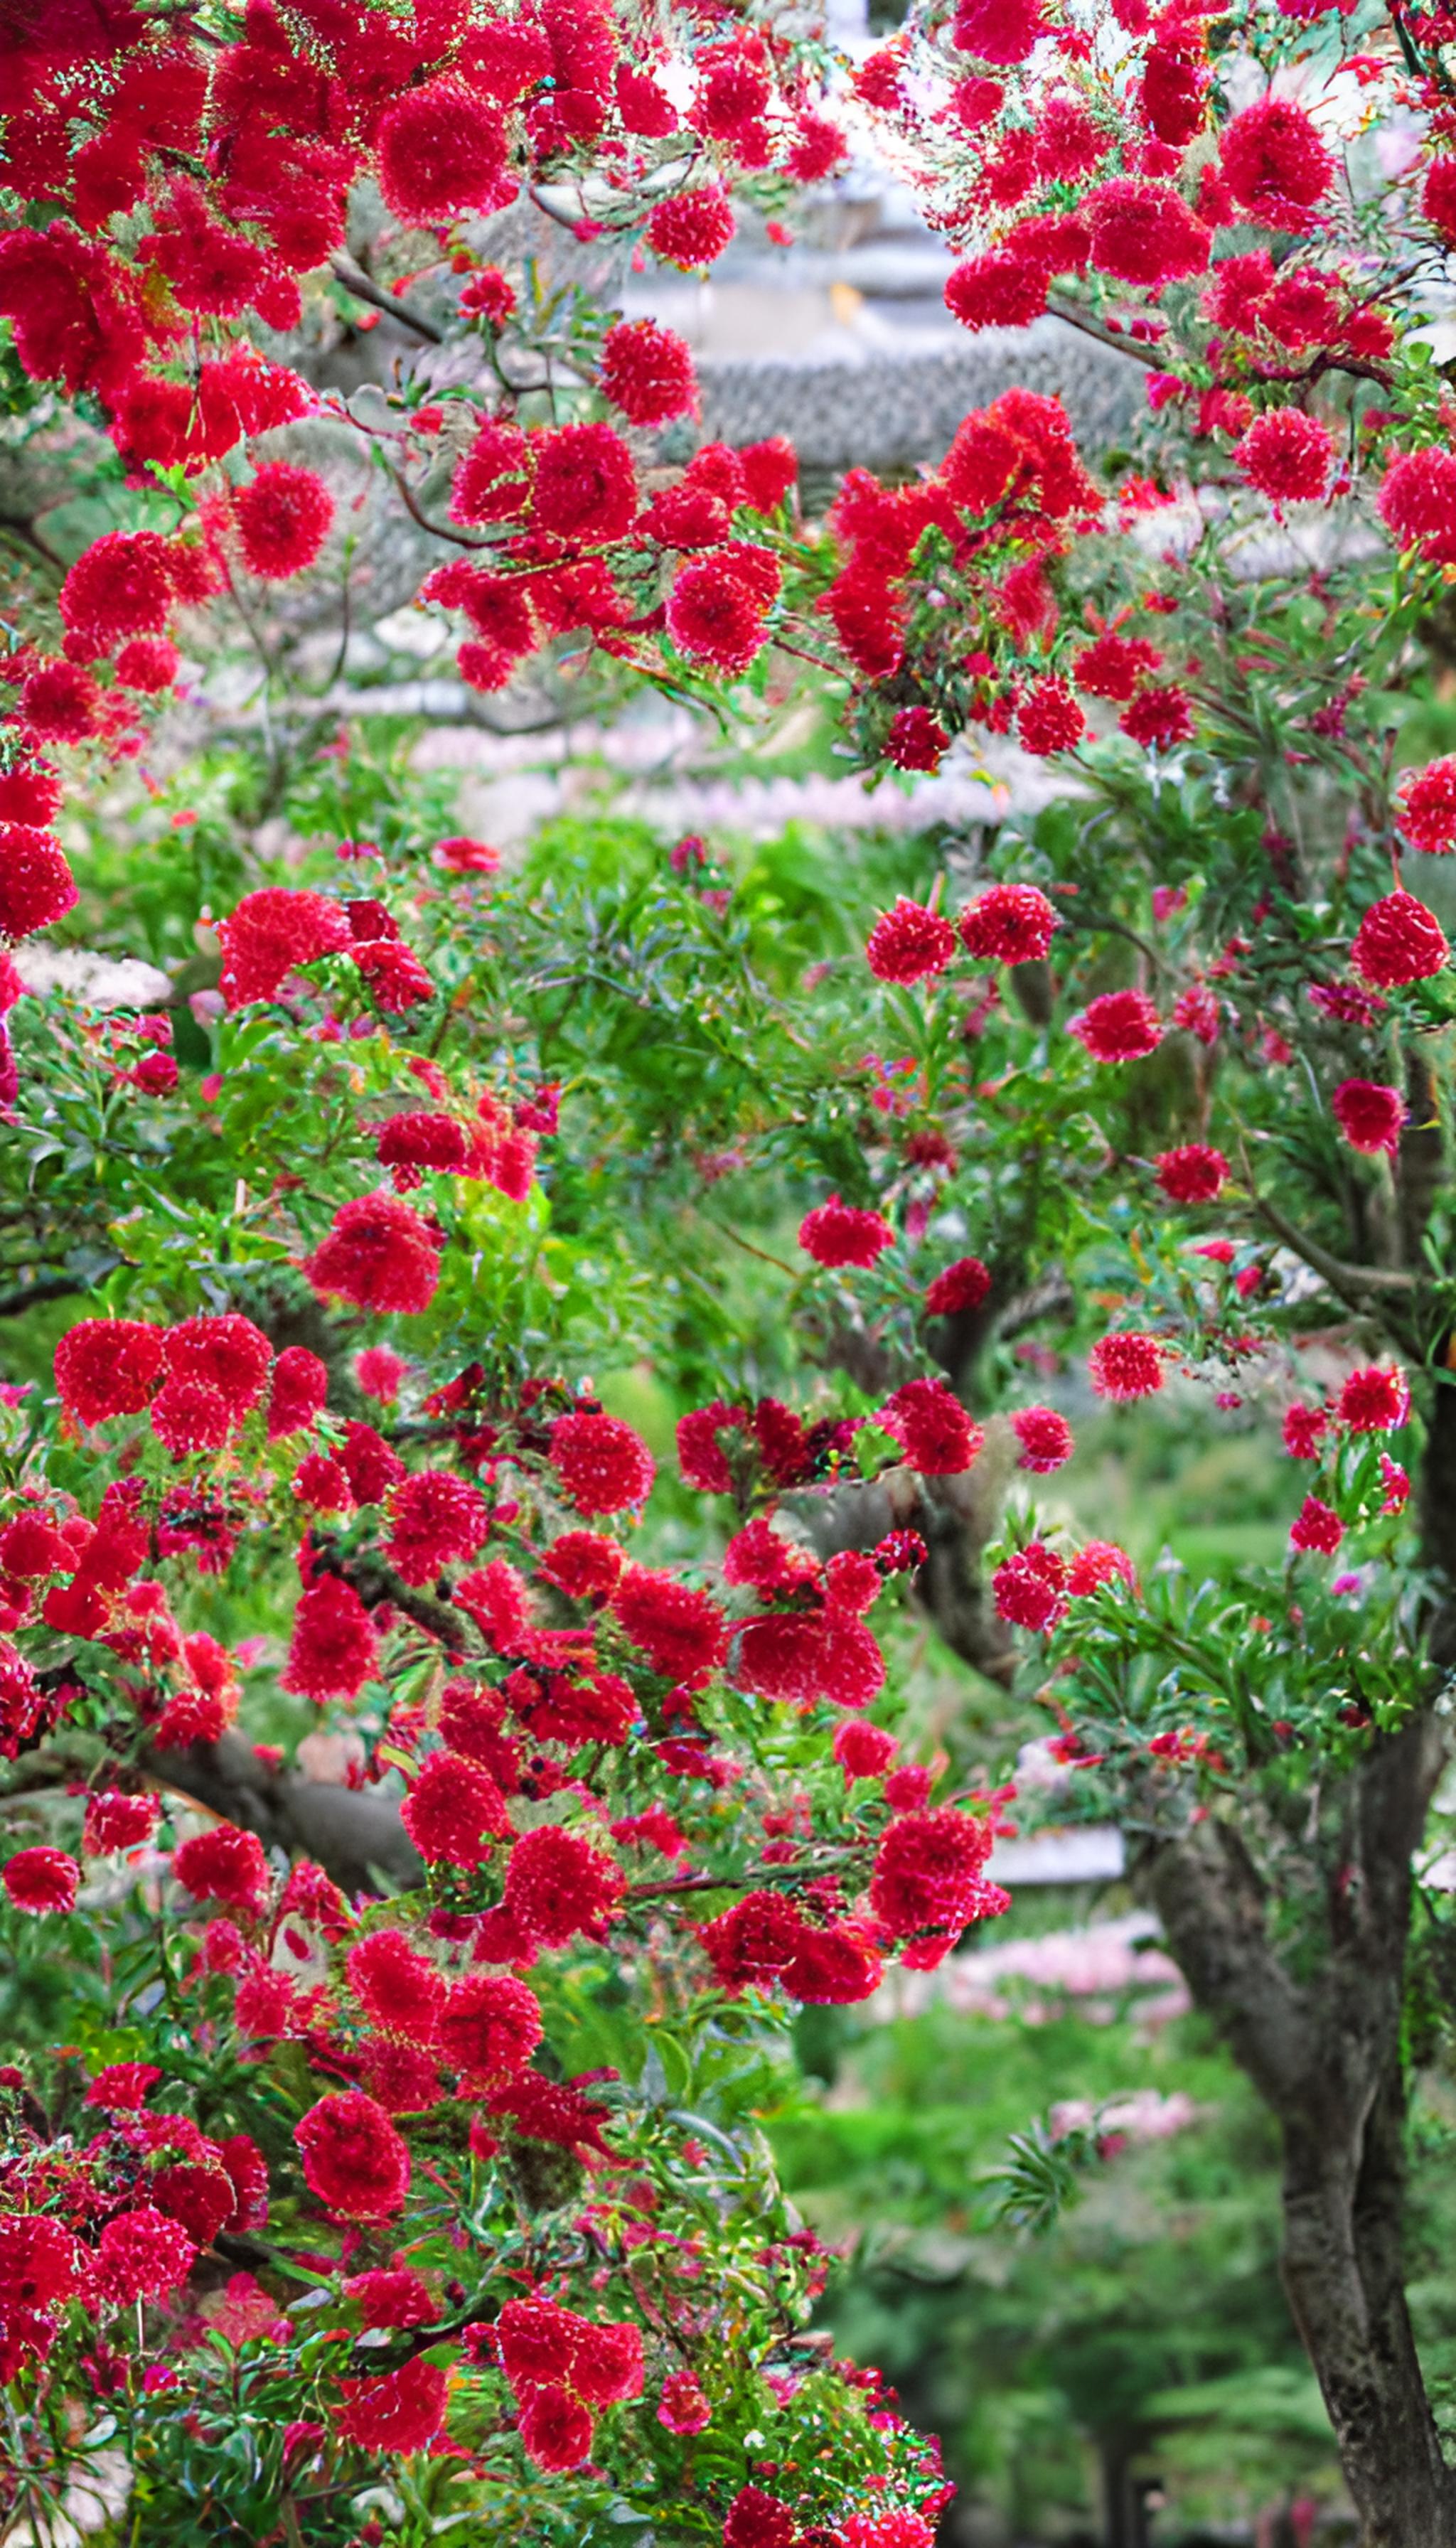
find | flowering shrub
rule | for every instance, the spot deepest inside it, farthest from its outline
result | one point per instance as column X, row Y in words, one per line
column 400, row 2167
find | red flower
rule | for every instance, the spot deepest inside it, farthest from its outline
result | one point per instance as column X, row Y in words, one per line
column 41, row 2262
column 898, row 2528
column 108, row 1366
column 379, row 1254
column 120, row 587
column 354, row 2160
column 1398, row 940
column 435, row 1520
column 1120, row 1026
column 557, row 1884
column 1275, row 162
column 1126, row 1366
column 283, row 515
column 1160, row 716
column 647, row 372
column 190, row 1416
column 800, row 1657
column 392, row 2296
column 1370, row 1117
column 1010, row 923
column 1002, row 32
column 1193, row 1174
column 1287, row 456
column 270, row 933
column 1144, row 235
column 299, row 1392
column 333, row 1650
column 1316, row 1526
column 682, row 2406
column 1438, row 197
column 1171, row 97
column 714, row 615
column 1426, row 799
column 41, row 1879
column 493, row 480
column 961, row 1286
column 753, row 1944
column 928, row 1872
column 770, row 473
column 1100, row 1562
column 141, row 2256
column 393, row 974
column 491, row 2027
column 908, row 943
column 441, row 151
column 147, row 664
column 1046, row 1440
column 582, row 1563
column 1030, row 1587
column 862, row 1751
column 454, row 1811
column 30, row 794
column 701, row 1459
column 397, row 1988
column 379, row 1371
column 691, row 230
column 115, row 1821
column 586, row 487
column 400, row 2410
column 1048, row 719
column 916, row 740
column 556, row 2430
column 998, row 290
column 681, row 1632
column 402, row 2077
column 1417, row 503
column 1303, row 1429
column 123, row 2086
column 36, row 882
column 932, row 1428
column 604, row 1466
column 59, row 702
column 1111, row 667
column 838, row 1234
column 227, row 1353
column 1375, row 1400
column 224, row 1865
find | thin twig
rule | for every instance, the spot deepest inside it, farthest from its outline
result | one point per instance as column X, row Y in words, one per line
column 363, row 290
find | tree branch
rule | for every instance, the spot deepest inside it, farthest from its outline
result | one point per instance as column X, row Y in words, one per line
column 363, row 290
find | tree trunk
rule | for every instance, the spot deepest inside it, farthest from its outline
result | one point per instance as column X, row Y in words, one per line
column 1324, row 2054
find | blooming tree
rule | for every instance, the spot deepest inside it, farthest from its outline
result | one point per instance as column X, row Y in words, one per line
column 400, row 2169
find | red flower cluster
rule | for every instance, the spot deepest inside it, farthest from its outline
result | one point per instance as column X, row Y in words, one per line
column 928, row 1875
column 839, row 1233
column 353, row 2158
column 932, row 1428
column 1427, row 802
column 379, row 1254
column 1370, row 1115
column 563, row 2369
column 908, row 943
column 1013, row 924
column 1399, row 941
column 1193, row 1174
column 1126, row 1366
column 1046, row 1440
column 961, row 1287
column 1118, row 1026
column 647, row 372
column 604, row 1466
